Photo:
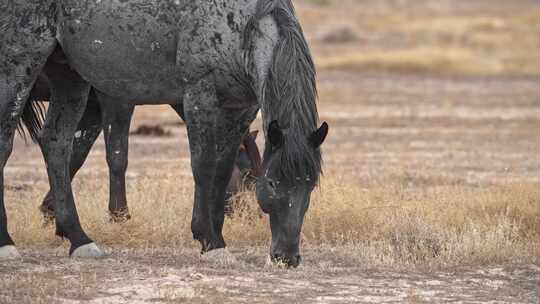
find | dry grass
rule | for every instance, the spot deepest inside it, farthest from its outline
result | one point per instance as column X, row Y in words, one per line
column 471, row 39
column 419, row 60
column 401, row 220
column 396, row 224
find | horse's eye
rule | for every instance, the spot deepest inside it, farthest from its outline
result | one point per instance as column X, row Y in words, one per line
column 272, row 184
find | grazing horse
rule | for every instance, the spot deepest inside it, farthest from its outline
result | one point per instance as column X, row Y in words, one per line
column 97, row 117
column 223, row 60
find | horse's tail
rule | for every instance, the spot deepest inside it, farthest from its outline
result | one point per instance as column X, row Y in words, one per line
column 287, row 82
column 32, row 118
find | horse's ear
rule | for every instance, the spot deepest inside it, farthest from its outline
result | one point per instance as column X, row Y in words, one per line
column 253, row 134
column 275, row 135
column 317, row 138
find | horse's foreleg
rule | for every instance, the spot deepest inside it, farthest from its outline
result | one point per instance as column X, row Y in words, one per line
column 68, row 102
column 201, row 114
column 84, row 138
column 233, row 125
column 116, row 122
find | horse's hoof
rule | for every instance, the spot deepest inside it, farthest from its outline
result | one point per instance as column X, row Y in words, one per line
column 48, row 215
column 9, row 252
column 221, row 256
column 88, row 251
column 120, row 217
column 48, row 220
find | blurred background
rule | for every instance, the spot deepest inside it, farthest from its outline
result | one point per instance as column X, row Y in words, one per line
column 453, row 38
column 439, row 87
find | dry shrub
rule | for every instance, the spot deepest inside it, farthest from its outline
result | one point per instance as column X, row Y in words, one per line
column 155, row 130
column 394, row 224
column 389, row 222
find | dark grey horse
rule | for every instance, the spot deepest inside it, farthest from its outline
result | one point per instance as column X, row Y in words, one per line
column 222, row 59
column 97, row 117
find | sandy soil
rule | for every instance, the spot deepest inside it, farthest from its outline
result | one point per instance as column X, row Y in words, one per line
column 181, row 276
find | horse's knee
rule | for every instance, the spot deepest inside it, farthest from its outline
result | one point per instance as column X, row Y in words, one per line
column 203, row 177
column 55, row 146
column 117, row 161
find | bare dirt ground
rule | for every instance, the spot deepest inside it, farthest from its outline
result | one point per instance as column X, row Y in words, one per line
column 431, row 192
column 181, row 276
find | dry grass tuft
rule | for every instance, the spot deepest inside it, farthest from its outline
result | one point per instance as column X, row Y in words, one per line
column 398, row 225
column 391, row 222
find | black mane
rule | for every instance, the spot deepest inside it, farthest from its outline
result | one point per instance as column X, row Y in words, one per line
column 289, row 91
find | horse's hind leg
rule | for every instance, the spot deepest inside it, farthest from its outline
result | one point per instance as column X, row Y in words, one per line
column 68, row 102
column 11, row 106
column 22, row 58
column 116, row 122
column 10, row 110
column 84, row 138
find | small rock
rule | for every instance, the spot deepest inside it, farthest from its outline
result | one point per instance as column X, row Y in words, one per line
column 9, row 252
column 157, row 131
column 88, row 251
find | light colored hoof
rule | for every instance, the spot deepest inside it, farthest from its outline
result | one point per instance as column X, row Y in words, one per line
column 88, row 251
column 220, row 256
column 9, row 252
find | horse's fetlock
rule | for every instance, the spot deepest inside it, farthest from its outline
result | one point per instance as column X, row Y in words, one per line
column 59, row 231
column 200, row 228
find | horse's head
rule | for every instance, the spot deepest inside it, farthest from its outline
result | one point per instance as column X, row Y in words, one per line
column 247, row 166
column 249, row 158
column 286, row 198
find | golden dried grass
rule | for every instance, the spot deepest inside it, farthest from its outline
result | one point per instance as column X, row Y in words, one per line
column 390, row 222
column 411, row 38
